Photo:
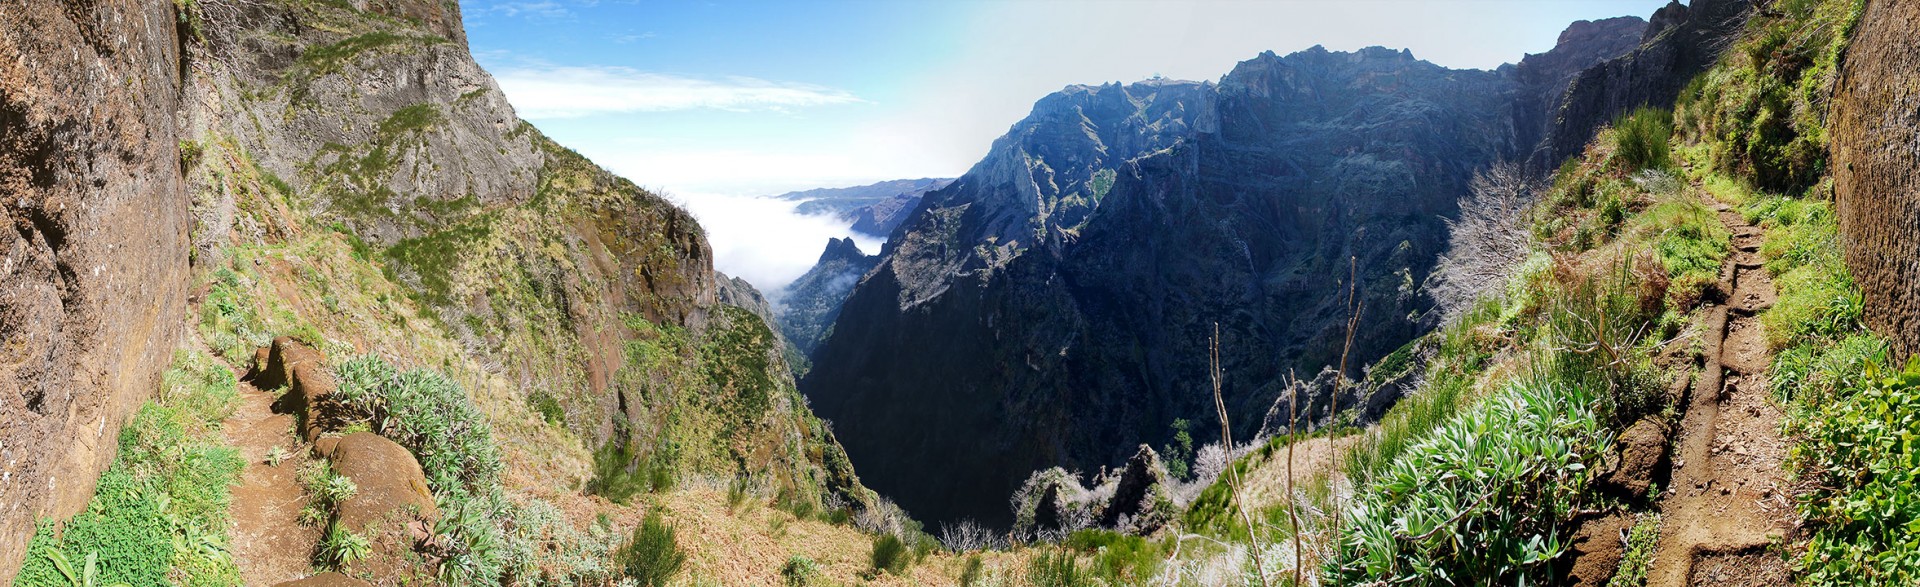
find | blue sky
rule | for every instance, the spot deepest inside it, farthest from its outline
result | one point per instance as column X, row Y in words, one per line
column 709, row 100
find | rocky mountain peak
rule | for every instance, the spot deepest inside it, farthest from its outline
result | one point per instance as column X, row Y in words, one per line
column 841, row 249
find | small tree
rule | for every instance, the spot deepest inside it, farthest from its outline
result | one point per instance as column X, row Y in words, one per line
column 1488, row 241
column 1179, row 455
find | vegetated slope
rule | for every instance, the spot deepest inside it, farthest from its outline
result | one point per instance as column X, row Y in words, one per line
column 93, row 260
column 1050, row 307
column 810, row 304
column 1450, row 484
column 349, row 177
column 597, row 297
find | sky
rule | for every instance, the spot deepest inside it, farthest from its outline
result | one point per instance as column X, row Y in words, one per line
column 713, row 101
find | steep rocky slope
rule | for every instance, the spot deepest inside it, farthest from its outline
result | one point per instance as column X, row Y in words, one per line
column 342, row 172
column 1052, row 306
column 1680, row 42
column 535, row 259
column 93, row 264
column 1876, row 167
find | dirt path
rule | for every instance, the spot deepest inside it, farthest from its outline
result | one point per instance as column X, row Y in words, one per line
column 270, row 545
column 1726, row 504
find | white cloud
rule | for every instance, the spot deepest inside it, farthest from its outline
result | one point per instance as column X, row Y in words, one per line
column 566, row 92
column 763, row 240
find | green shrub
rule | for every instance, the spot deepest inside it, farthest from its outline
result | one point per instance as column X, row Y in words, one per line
column 619, row 473
column 889, row 554
column 1481, row 499
column 1641, row 542
column 1594, row 328
column 341, row 547
column 970, row 574
column 1120, row 559
column 800, row 571
column 430, row 415
column 653, row 557
column 1641, row 138
column 1056, row 569
column 1178, row 455
column 1860, row 454
column 547, row 407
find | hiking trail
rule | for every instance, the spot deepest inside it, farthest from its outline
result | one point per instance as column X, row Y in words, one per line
column 270, row 545
column 1727, row 503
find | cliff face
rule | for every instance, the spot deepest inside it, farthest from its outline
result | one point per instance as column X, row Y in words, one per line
column 93, row 264
column 1875, row 138
column 1680, row 42
column 1052, row 306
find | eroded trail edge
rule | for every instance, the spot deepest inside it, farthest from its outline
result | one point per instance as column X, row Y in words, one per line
column 1727, row 504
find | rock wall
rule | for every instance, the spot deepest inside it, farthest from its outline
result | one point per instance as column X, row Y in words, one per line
column 1680, row 42
column 1875, row 126
column 94, row 258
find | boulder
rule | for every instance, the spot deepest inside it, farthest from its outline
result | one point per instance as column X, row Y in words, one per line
column 310, row 386
column 1642, row 454
column 391, row 484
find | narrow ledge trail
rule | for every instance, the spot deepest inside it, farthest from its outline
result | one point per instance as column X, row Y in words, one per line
column 1727, row 504
column 270, row 545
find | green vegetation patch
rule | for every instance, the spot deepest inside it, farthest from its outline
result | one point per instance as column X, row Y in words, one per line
column 1761, row 113
column 1860, row 454
column 159, row 513
column 1480, row 498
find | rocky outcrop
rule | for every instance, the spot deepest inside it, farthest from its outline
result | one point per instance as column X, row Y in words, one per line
column 811, row 303
column 1680, row 42
column 1141, row 502
column 734, row 291
column 1875, row 138
column 94, row 255
column 309, row 386
column 1544, row 77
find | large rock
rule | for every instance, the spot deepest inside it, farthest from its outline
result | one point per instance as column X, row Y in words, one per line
column 392, row 487
column 1639, row 458
column 1876, row 167
column 93, row 254
column 309, row 395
